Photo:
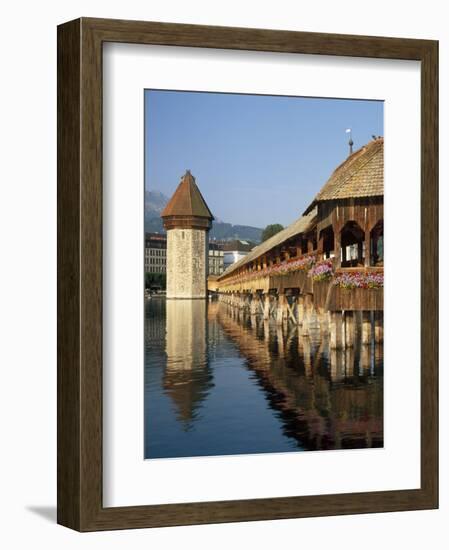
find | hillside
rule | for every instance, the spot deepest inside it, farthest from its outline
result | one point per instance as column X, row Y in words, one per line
column 155, row 202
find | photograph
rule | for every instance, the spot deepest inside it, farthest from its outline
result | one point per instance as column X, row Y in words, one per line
column 264, row 274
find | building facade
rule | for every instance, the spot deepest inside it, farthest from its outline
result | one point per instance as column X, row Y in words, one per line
column 155, row 253
column 233, row 251
column 216, row 259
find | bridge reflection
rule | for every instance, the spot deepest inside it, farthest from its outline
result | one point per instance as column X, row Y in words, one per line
column 323, row 398
column 328, row 399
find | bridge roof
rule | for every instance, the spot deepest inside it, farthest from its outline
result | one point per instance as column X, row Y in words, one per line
column 301, row 225
column 187, row 200
column 360, row 175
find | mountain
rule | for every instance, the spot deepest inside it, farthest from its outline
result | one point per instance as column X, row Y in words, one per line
column 227, row 232
column 155, row 202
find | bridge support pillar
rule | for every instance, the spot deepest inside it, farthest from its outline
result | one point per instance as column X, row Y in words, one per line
column 336, row 330
column 323, row 320
column 366, row 327
column 236, row 301
column 378, row 355
column 254, row 304
column 307, row 356
column 358, row 324
column 349, row 361
column 307, row 315
column 365, row 359
column 280, row 340
column 349, row 329
column 266, row 306
column 291, row 309
column 266, row 330
column 337, row 364
column 378, row 326
column 281, row 309
column 300, row 309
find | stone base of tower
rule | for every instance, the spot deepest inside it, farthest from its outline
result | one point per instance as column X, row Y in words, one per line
column 187, row 263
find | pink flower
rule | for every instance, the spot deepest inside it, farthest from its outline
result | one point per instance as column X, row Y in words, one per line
column 360, row 280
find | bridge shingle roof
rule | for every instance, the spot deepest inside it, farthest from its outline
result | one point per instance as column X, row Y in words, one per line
column 301, row 225
column 360, row 175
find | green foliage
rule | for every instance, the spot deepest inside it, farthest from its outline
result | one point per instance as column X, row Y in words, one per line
column 156, row 281
column 271, row 230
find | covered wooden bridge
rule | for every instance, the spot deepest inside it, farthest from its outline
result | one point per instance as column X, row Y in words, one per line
column 326, row 268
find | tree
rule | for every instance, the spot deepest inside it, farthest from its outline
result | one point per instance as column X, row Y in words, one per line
column 271, row 230
column 156, row 281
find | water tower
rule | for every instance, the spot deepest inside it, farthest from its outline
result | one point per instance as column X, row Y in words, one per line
column 187, row 220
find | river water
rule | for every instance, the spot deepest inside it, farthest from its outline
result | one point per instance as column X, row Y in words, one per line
column 218, row 382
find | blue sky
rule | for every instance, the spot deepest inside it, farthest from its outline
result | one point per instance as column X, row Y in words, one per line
column 257, row 159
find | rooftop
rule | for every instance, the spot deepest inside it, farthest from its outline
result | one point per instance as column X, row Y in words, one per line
column 238, row 245
column 360, row 175
column 156, row 236
column 187, row 200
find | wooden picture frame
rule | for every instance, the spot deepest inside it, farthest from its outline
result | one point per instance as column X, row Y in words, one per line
column 80, row 351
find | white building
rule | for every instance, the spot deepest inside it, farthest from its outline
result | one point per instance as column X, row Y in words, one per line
column 233, row 251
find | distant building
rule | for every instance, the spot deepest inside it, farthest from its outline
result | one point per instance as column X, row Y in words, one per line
column 155, row 253
column 216, row 259
column 233, row 251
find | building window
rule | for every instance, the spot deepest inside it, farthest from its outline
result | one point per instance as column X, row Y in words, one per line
column 352, row 245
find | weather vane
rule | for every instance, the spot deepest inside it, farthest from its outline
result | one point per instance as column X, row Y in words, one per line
column 351, row 143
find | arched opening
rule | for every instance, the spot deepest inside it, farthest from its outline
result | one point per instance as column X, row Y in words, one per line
column 377, row 244
column 352, row 245
column 303, row 245
column 328, row 242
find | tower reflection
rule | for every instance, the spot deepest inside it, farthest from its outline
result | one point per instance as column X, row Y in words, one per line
column 187, row 377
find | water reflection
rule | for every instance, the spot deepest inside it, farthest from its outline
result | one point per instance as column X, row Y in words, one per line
column 187, row 377
column 220, row 381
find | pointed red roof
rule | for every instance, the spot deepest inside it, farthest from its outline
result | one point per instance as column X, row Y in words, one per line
column 187, row 200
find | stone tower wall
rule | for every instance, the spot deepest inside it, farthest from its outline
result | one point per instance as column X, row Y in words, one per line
column 187, row 263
